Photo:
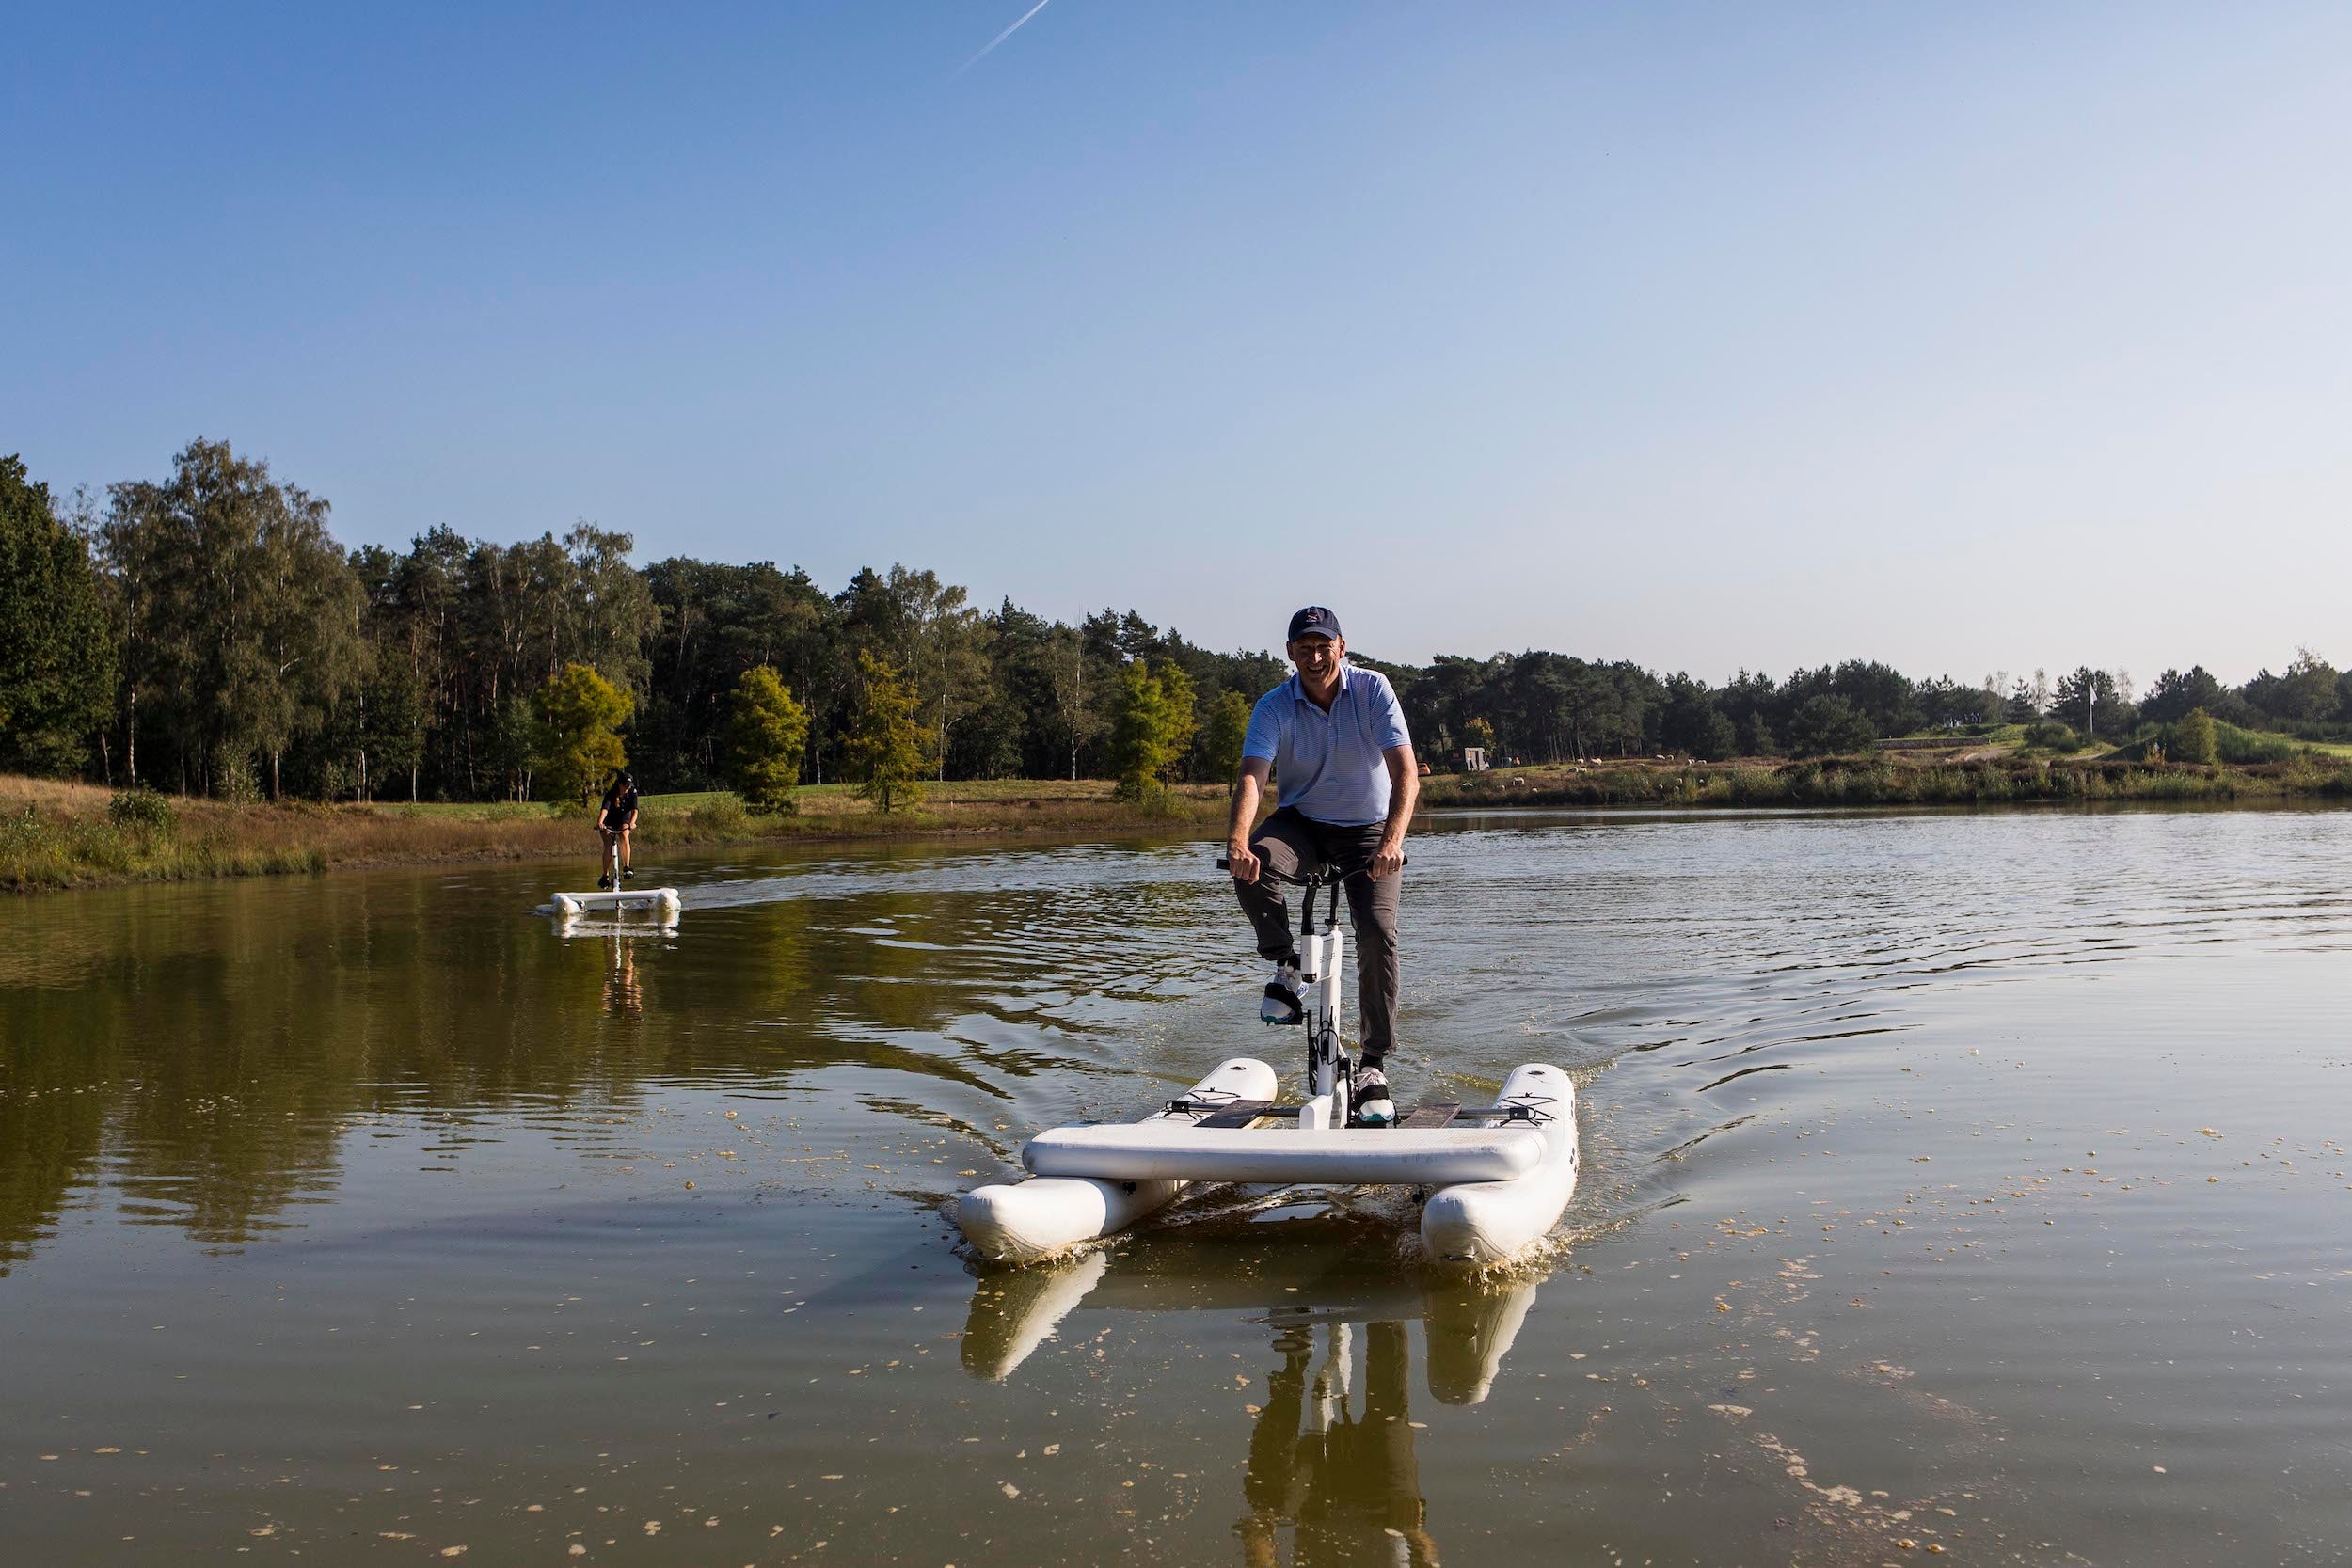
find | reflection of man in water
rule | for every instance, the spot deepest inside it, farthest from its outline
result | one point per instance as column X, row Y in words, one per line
column 621, row 993
column 1350, row 1485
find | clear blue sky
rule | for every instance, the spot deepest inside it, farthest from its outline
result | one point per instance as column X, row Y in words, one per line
column 1967, row 337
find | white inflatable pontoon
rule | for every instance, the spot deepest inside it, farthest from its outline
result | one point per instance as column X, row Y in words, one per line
column 1022, row 1222
column 1498, row 1176
column 660, row 902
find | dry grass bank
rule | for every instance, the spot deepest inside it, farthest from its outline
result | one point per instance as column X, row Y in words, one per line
column 58, row 835
column 1954, row 777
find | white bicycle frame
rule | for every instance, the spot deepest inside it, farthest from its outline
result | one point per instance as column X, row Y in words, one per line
column 1331, row 1070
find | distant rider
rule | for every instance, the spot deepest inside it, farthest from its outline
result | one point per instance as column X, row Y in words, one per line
column 616, row 817
column 1336, row 738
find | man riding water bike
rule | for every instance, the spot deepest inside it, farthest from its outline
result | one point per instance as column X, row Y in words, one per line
column 614, row 819
column 1336, row 738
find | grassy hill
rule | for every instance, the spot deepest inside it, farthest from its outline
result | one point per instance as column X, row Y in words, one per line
column 1974, row 773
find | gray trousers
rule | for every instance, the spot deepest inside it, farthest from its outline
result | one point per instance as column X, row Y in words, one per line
column 1295, row 844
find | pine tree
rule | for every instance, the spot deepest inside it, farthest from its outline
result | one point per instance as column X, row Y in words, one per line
column 765, row 735
column 1153, row 727
column 1717, row 738
column 889, row 745
column 1136, row 724
column 1227, row 727
column 1180, row 715
column 1829, row 726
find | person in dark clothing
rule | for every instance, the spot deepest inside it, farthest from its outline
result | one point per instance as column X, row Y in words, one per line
column 616, row 817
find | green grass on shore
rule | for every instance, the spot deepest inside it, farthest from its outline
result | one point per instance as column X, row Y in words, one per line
column 817, row 801
column 55, row 835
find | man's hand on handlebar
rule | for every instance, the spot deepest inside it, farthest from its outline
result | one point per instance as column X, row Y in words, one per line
column 1387, row 861
column 1247, row 867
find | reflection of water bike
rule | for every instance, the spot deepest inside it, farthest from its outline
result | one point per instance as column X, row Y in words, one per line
column 1498, row 1176
column 662, row 903
column 1330, row 1461
column 1468, row 1325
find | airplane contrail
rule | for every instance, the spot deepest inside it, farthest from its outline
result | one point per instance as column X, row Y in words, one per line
column 1002, row 37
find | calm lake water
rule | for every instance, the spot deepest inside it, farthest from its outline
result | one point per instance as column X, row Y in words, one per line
column 1960, row 1183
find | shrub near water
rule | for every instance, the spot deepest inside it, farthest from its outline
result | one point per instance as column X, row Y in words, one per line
column 41, row 849
column 2051, row 736
column 723, row 817
column 142, row 811
column 59, row 847
column 2193, row 739
column 2251, row 746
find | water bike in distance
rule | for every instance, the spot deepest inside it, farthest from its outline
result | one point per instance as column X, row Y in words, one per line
column 661, row 903
column 1497, row 1177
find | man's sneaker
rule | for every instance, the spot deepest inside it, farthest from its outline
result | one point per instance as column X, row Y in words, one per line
column 628, row 872
column 1282, row 1004
column 1374, row 1108
column 604, row 883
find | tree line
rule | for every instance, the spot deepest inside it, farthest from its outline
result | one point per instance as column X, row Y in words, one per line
column 204, row 633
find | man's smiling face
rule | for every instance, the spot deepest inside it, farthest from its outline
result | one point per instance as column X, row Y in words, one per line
column 1317, row 658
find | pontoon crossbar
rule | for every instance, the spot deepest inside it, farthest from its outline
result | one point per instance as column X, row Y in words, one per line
column 1165, row 1150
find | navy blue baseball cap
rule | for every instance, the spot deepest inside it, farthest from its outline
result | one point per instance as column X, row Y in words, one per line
column 1314, row 620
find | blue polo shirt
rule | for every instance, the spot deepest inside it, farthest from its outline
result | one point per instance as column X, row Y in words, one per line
column 1328, row 765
